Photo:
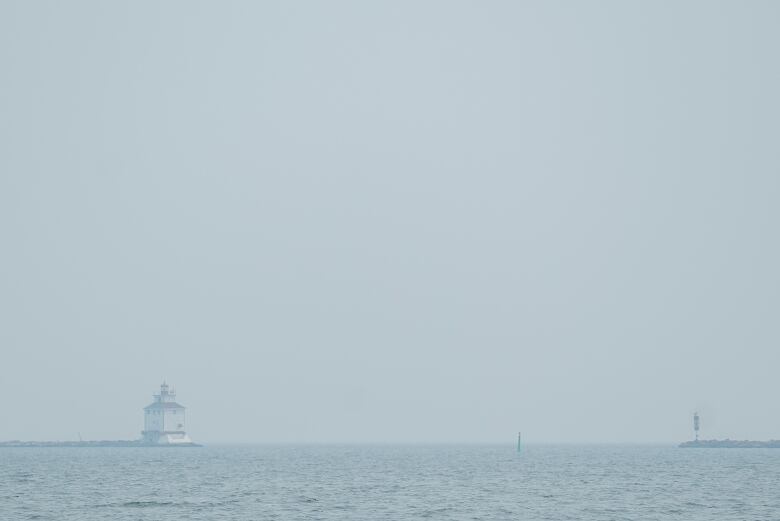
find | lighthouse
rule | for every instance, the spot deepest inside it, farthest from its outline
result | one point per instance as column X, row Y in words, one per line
column 164, row 420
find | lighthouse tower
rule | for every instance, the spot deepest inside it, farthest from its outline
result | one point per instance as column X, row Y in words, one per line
column 164, row 420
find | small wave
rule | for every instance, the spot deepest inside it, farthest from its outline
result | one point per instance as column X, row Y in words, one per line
column 145, row 504
column 435, row 512
column 168, row 504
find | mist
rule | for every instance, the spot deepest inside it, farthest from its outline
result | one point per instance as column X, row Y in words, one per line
column 390, row 221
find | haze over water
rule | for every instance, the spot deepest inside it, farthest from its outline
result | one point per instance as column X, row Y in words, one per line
column 390, row 221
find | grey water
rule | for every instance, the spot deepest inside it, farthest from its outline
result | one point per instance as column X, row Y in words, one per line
column 404, row 482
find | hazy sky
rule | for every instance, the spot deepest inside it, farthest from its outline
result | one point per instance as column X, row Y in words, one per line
column 391, row 221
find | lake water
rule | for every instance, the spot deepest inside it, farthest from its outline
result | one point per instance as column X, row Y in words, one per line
column 367, row 482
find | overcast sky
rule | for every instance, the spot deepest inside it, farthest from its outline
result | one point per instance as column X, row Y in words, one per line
column 391, row 221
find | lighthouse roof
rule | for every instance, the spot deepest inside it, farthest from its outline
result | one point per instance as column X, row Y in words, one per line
column 164, row 405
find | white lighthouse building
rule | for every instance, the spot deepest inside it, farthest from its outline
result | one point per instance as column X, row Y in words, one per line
column 164, row 420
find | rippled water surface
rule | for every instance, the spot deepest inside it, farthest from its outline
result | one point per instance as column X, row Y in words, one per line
column 389, row 483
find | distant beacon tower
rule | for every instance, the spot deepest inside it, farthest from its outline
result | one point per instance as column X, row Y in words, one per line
column 164, row 420
column 696, row 425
